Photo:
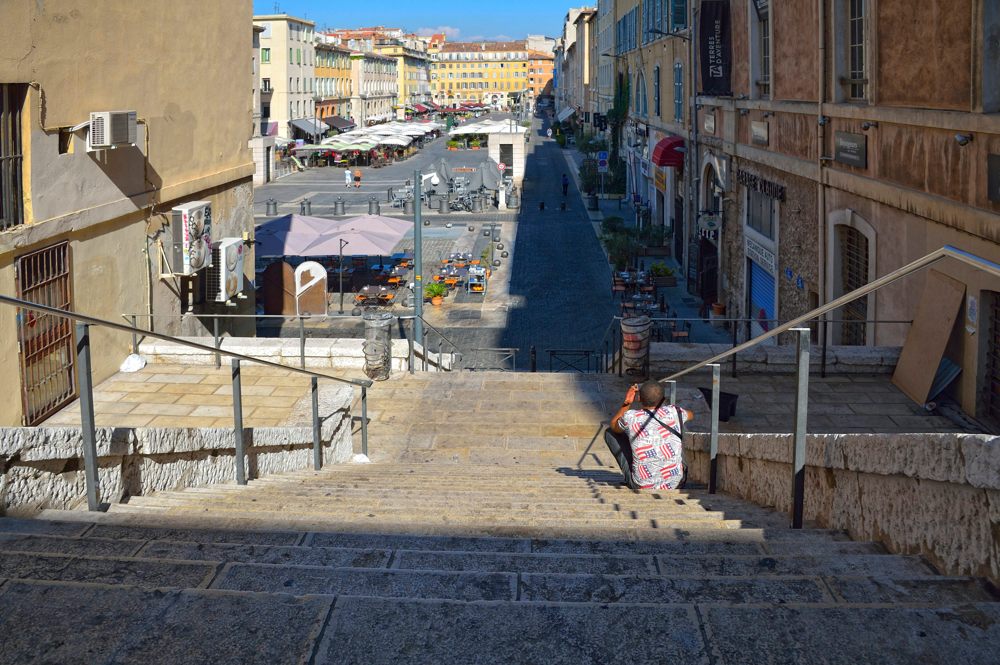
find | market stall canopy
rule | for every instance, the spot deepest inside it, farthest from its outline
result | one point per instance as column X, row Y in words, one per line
column 564, row 114
column 340, row 124
column 298, row 235
column 309, row 126
column 311, row 148
column 669, row 152
column 490, row 127
column 401, row 141
column 420, row 108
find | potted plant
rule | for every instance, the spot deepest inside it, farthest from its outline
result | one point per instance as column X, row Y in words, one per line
column 435, row 292
column 474, row 144
column 663, row 275
column 453, row 144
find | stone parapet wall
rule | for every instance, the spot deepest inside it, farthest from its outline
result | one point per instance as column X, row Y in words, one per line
column 42, row 467
column 937, row 495
column 320, row 353
column 665, row 357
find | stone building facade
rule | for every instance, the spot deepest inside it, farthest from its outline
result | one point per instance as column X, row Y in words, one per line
column 853, row 139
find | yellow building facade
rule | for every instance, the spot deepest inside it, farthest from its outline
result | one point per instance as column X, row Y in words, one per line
column 494, row 73
column 89, row 230
column 412, row 69
column 333, row 81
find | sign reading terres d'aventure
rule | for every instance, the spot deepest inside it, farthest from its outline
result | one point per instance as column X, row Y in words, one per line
column 716, row 48
column 993, row 177
column 850, row 149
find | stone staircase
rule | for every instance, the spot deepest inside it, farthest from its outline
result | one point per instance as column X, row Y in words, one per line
column 528, row 551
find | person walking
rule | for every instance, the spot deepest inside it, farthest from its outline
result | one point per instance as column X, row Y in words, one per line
column 348, row 177
column 565, row 184
column 357, row 178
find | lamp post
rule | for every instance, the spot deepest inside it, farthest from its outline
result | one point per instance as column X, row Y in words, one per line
column 341, row 271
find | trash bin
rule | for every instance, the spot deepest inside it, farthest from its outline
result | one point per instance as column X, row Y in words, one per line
column 727, row 403
column 377, row 345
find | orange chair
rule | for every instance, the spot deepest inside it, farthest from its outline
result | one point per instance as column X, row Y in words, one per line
column 450, row 282
column 475, row 262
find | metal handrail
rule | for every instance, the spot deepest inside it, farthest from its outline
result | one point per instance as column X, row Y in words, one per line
column 802, row 366
column 84, row 372
column 945, row 252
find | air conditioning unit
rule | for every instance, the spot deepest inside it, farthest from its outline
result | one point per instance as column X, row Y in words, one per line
column 224, row 279
column 191, row 236
column 111, row 129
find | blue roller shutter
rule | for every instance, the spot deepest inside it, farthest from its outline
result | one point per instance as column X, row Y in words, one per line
column 762, row 289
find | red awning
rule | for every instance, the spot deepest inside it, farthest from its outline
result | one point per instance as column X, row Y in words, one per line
column 420, row 108
column 666, row 152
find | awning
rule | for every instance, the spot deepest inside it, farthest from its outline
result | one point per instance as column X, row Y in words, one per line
column 565, row 113
column 309, row 126
column 420, row 108
column 340, row 124
column 669, row 152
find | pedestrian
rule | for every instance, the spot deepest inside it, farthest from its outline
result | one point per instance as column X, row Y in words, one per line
column 565, row 184
column 357, row 178
column 647, row 441
column 348, row 176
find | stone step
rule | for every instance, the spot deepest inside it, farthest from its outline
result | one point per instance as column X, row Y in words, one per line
column 415, row 516
column 55, row 622
column 594, row 633
column 144, row 573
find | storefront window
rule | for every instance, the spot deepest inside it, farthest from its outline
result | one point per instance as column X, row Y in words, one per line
column 760, row 213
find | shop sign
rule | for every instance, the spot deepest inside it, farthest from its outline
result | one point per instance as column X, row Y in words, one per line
column 851, row 149
column 993, row 177
column 709, row 224
column 710, row 123
column 758, row 184
column 761, row 255
column 759, row 132
column 660, row 180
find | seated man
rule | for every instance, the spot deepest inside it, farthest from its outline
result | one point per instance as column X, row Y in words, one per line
column 646, row 441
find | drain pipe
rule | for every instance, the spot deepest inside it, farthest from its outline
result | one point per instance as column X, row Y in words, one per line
column 821, row 194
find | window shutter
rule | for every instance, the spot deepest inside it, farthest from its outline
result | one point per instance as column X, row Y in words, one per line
column 678, row 14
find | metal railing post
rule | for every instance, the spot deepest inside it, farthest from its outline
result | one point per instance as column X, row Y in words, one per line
column 135, row 338
column 216, row 342
column 673, row 392
column 87, row 428
column 713, row 449
column 824, row 334
column 364, row 421
column 410, row 342
column 241, row 473
column 423, row 343
column 317, row 442
column 302, row 342
column 735, row 333
column 801, row 413
column 533, row 358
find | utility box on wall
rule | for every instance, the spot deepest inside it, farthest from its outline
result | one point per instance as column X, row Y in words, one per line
column 191, row 238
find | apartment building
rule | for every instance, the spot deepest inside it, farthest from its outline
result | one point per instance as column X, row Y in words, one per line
column 602, row 56
column 540, row 66
column 494, row 73
column 287, row 69
column 841, row 141
column 566, row 89
column 261, row 146
column 86, row 221
column 374, row 87
column 334, row 86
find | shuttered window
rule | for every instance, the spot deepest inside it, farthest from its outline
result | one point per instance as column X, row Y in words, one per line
column 12, row 98
column 853, row 275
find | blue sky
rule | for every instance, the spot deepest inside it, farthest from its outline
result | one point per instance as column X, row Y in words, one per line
column 459, row 19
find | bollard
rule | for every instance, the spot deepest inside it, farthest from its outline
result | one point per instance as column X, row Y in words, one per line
column 443, row 206
column 272, row 207
column 307, row 206
column 408, row 207
column 338, row 207
column 373, row 206
column 388, row 195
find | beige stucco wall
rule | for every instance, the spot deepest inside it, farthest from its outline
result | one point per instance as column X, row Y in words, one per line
column 194, row 98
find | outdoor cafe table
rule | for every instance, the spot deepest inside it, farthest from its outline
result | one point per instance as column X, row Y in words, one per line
column 370, row 296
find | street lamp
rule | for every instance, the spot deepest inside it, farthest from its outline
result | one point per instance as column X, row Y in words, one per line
column 341, row 271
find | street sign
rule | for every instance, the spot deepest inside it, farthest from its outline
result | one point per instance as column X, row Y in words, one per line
column 602, row 165
column 502, row 167
column 548, row 132
column 602, row 156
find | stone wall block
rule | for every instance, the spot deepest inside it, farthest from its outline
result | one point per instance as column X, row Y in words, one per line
column 981, row 458
column 45, row 443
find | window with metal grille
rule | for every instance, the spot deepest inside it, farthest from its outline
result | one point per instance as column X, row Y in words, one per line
column 857, row 81
column 853, row 275
column 991, row 382
column 46, row 346
column 11, row 179
column 656, row 90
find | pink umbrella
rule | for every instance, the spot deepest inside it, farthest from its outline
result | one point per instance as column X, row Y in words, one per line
column 297, row 235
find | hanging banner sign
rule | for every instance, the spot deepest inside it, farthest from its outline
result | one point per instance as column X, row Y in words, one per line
column 715, row 39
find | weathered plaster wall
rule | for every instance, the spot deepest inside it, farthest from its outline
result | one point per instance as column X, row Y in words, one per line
column 795, row 39
column 929, row 62
column 43, row 467
column 937, row 495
